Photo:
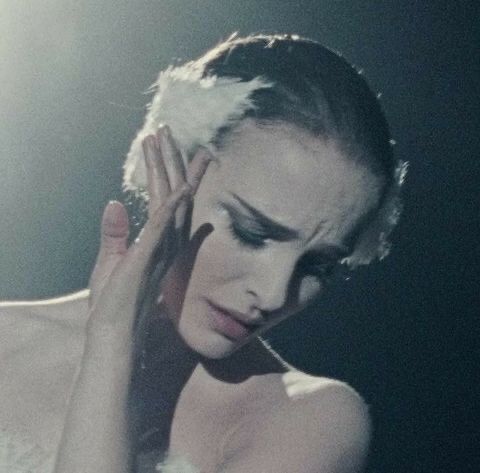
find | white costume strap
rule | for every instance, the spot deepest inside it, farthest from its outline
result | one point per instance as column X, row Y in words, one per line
column 374, row 242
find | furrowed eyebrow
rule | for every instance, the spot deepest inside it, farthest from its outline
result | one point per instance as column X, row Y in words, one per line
column 273, row 229
column 280, row 232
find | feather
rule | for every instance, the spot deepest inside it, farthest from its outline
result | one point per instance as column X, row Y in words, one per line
column 194, row 107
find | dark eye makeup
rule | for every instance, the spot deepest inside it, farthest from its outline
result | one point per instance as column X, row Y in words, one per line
column 246, row 237
column 307, row 266
column 245, row 229
column 250, row 233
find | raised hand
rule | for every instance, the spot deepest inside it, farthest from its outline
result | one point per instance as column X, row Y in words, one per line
column 97, row 432
column 121, row 274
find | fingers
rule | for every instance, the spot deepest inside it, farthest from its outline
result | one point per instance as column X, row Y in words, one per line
column 158, row 185
column 165, row 168
column 155, row 229
column 129, row 275
column 121, row 275
column 166, row 172
column 113, row 246
column 168, row 190
column 173, row 162
column 114, row 229
column 172, row 158
column 195, row 172
column 198, row 166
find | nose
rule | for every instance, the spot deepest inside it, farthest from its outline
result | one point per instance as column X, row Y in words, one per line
column 271, row 283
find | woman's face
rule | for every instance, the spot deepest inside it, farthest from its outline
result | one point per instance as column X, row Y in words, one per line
column 283, row 206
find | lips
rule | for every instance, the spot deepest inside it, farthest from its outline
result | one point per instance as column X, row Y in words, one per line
column 230, row 324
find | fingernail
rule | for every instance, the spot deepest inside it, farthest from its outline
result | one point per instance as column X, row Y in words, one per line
column 115, row 220
column 167, row 131
column 147, row 144
column 162, row 130
column 113, row 204
column 206, row 155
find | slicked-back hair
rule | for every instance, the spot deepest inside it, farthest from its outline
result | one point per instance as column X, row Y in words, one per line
column 313, row 88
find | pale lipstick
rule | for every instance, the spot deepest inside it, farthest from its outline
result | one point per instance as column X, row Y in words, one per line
column 228, row 325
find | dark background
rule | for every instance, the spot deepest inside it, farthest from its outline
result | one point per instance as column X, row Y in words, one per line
column 403, row 332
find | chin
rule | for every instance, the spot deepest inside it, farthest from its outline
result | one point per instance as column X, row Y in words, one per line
column 202, row 334
column 208, row 343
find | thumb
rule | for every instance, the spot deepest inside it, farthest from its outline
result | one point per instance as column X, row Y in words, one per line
column 113, row 246
column 114, row 230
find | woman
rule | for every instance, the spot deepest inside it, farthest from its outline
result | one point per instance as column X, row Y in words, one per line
column 290, row 163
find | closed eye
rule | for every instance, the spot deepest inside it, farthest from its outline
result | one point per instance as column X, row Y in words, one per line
column 246, row 237
column 251, row 225
column 319, row 267
column 251, row 230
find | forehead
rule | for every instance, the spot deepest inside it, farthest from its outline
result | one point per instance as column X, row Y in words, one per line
column 297, row 179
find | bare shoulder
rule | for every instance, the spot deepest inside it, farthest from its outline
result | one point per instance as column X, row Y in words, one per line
column 70, row 308
column 317, row 424
column 40, row 345
column 34, row 332
column 328, row 403
column 31, row 324
column 300, row 386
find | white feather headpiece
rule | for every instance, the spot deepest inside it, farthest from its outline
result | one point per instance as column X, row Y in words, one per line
column 374, row 241
column 194, row 107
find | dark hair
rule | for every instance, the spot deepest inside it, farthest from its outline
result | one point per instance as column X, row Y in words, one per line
column 313, row 88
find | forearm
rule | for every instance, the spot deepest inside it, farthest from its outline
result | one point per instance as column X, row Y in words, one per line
column 96, row 435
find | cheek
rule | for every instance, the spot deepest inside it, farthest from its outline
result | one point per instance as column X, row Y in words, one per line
column 219, row 264
column 220, row 257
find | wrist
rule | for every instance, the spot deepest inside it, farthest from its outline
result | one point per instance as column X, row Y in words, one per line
column 109, row 341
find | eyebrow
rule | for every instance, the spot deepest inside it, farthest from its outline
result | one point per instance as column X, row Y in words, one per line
column 280, row 232
column 275, row 230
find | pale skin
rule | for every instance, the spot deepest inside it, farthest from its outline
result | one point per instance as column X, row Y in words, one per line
column 231, row 405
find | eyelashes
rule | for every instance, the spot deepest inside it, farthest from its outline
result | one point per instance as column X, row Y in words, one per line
column 246, row 237
column 256, row 241
column 251, row 238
